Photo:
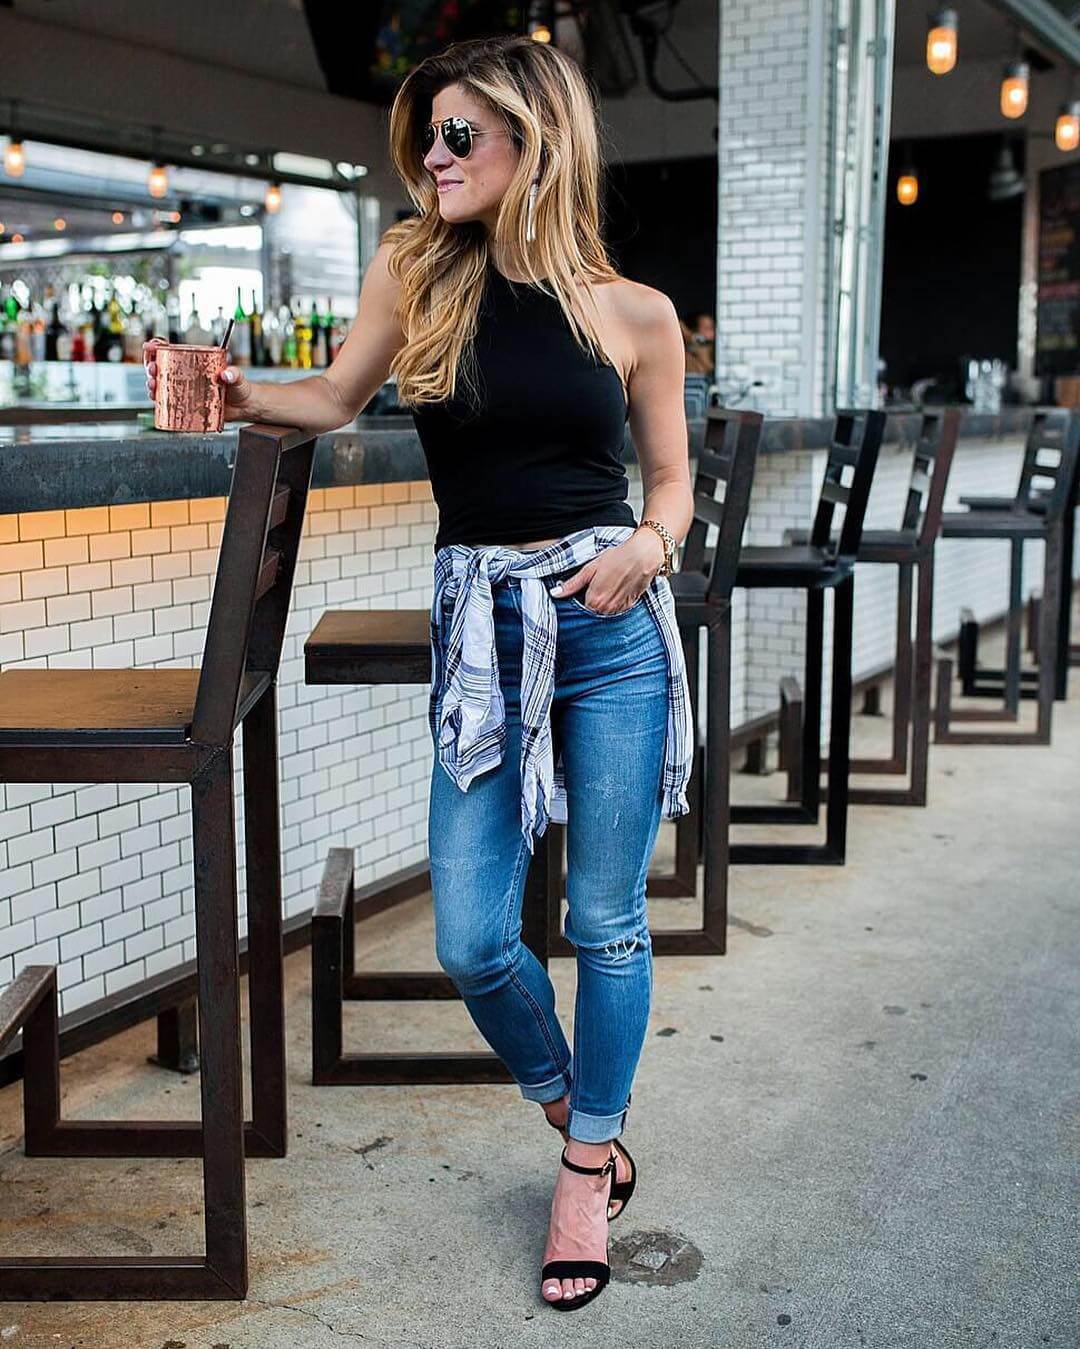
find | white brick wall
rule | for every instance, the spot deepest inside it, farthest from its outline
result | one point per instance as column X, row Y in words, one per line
column 769, row 161
column 794, row 180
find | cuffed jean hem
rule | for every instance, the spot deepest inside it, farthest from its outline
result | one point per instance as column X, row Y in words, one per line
column 594, row 1128
column 552, row 1089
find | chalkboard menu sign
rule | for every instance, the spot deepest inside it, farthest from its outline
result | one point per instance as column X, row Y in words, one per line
column 1057, row 339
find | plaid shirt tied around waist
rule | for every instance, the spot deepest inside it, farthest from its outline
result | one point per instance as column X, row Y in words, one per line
column 466, row 709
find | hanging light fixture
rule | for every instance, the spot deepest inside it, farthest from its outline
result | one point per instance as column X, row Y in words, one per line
column 157, row 183
column 14, row 156
column 907, row 184
column 272, row 200
column 1005, row 180
column 1067, row 126
column 541, row 21
column 1014, row 88
column 941, row 42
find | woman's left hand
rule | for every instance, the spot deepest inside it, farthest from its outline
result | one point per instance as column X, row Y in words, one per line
column 618, row 576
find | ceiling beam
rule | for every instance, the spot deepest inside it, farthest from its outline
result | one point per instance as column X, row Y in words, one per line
column 1042, row 20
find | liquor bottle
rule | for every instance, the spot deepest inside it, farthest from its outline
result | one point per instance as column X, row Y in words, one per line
column 67, row 321
column 328, row 331
column 37, row 321
column 110, row 344
column 240, row 341
column 97, row 325
column 156, row 319
column 78, row 333
column 318, row 335
column 193, row 333
column 258, row 353
column 273, row 338
column 291, row 346
column 172, row 317
column 97, row 318
column 91, row 320
column 134, row 335
column 335, row 331
column 301, row 344
column 56, row 335
column 24, row 332
column 9, row 315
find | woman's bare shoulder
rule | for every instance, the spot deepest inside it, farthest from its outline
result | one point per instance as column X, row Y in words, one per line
column 639, row 305
column 641, row 316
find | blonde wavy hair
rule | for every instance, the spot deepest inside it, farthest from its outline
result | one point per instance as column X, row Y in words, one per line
column 542, row 98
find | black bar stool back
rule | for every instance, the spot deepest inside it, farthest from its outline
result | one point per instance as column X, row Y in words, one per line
column 978, row 680
column 1041, row 511
column 911, row 550
column 820, row 564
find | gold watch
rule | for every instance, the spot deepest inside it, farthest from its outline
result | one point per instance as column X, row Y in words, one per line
column 668, row 540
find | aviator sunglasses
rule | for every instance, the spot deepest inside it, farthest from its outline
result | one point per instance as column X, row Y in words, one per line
column 457, row 136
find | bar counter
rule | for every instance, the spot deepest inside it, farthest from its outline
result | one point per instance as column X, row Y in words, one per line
column 108, row 549
column 66, row 466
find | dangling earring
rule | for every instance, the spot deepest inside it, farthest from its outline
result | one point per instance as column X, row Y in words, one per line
column 530, row 232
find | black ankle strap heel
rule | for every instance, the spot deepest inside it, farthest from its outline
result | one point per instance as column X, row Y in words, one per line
column 579, row 1269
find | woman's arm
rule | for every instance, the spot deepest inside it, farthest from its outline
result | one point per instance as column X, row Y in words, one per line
column 328, row 400
column 658, row 414
column 658, row 426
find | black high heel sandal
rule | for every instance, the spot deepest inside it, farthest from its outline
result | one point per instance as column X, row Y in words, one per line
column 621, row 1190
column 599, row 1270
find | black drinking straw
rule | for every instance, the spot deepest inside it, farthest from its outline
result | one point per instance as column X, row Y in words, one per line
column 228, row 333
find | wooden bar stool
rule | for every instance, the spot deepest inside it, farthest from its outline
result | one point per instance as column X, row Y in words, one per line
column 177, row 725
column 702, row 590
column 911, row 550
column 1044, row 501
column 393, row 646
column 823, row 563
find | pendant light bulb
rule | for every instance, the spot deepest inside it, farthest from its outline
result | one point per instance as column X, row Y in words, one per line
column 1014, row 89
column 14, row 154
column 272, row 200
column 157, row 184
column 14, row 159
column 1067, row 126
column 941, row 42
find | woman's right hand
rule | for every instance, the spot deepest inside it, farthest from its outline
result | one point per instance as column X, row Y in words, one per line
column 238, row 390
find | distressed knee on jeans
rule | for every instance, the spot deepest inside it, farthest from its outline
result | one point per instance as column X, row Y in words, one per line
column 622, row 948
column 617, row 948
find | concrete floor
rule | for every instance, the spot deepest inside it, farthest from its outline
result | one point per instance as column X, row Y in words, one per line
column 859, row 1128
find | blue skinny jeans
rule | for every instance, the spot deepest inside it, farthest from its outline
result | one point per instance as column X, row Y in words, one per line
column 609, row 718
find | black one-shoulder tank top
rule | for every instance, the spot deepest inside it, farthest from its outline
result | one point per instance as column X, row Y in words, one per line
column 541, row 454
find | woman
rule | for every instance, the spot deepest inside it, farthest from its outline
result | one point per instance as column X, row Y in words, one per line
column 522, row 353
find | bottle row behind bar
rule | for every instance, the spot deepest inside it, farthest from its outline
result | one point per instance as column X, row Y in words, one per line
column 74, row 326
